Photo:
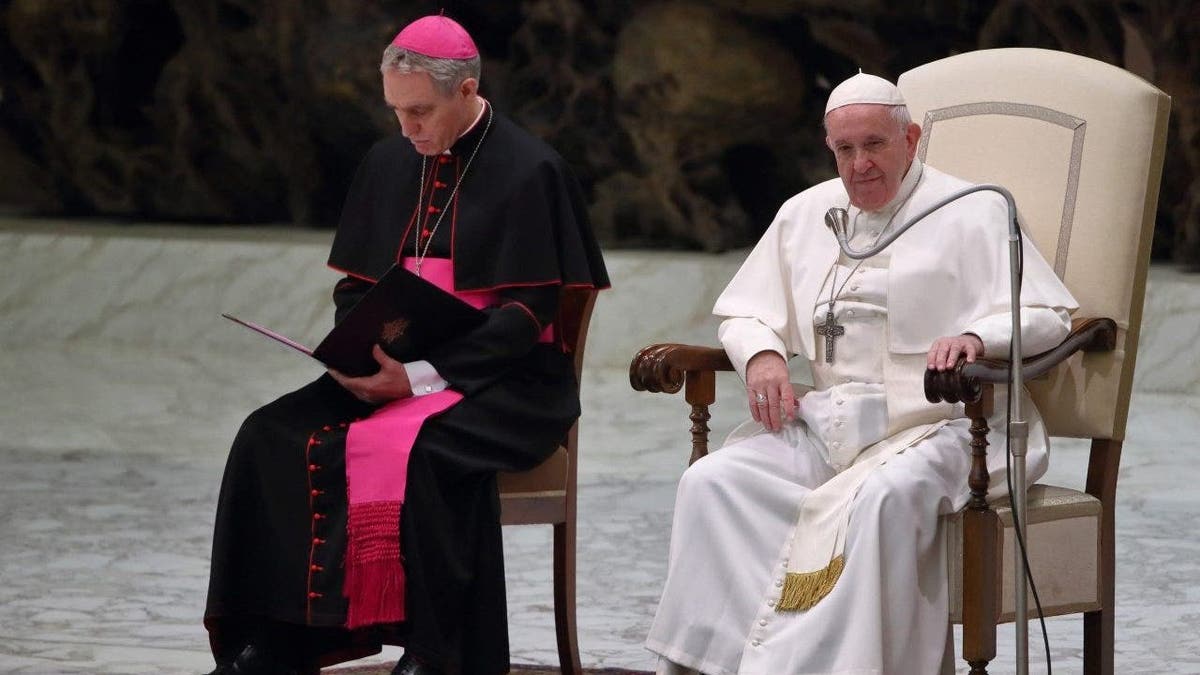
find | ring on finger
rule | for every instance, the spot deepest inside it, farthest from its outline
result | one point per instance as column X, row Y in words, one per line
column 760, row 398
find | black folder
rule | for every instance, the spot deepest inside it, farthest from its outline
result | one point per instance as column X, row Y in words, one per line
column 402, row 313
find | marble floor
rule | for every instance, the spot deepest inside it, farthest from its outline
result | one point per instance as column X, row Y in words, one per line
column 120, row 390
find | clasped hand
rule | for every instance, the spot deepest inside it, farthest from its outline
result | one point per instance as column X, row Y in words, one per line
column 389, row 384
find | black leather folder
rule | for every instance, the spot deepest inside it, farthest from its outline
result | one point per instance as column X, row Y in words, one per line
column 402, row 313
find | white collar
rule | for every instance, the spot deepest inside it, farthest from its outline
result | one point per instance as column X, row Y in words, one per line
column 482, row 109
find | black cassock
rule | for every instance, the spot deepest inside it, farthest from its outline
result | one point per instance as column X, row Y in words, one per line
column 517, row 225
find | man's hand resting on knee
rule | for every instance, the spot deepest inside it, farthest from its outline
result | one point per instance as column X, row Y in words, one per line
column 389, row 384
column 772, row 400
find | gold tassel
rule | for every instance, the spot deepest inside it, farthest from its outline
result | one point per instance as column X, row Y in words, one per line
column 802, row 590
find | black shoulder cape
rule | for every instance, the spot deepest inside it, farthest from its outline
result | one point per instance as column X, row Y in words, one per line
column 518, row 218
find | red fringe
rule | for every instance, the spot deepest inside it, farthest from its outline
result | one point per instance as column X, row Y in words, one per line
column 374, row 582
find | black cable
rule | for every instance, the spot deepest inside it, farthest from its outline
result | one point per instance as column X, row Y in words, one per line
column 1008, row 466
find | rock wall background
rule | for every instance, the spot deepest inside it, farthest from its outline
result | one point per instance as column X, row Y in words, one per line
column 687, row 121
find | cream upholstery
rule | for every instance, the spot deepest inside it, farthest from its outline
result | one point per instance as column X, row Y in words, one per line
column 1079, row 143
column 1062, row 525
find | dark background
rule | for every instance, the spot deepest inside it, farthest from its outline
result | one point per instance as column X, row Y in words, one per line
column 687, row 122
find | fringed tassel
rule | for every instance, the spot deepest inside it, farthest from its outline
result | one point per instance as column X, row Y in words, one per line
column 802, row 590
column 376, row 592
column 374, row 582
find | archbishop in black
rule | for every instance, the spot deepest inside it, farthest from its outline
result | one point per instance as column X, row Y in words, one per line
column 470, row 201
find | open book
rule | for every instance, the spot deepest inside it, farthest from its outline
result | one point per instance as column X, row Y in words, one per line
column 403, row 313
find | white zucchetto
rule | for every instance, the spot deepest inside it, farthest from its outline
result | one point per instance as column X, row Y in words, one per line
column 863, row 88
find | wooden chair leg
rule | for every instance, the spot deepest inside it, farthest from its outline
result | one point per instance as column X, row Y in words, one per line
column 564, row 599
column 981, row 581
column 1098, row 634
column 1099, row 627
column 981, row 545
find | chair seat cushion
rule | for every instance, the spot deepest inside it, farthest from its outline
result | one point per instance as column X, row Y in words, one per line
column 1063, row 546
column 537, row 496
column 549, row 477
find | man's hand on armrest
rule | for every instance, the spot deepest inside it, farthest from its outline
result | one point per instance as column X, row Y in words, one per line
column 944, row 352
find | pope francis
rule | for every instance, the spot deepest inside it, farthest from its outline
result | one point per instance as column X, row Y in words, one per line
column 810, row 542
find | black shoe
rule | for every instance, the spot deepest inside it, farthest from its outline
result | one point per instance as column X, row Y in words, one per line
column 223, row 669
column 410, row 666
column 254, row 660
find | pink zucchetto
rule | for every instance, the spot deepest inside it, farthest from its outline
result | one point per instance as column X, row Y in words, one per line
column 863, row 88
column 437, row 37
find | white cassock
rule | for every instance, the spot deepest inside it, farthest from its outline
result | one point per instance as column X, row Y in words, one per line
column 736, row 510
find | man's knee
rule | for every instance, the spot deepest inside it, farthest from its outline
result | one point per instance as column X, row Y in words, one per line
column 255, row 425
column 260, row 432
column 714, row 473
column 895, row 498
column 701, row 477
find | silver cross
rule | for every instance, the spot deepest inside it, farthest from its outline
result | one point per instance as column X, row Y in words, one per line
column 831, row 331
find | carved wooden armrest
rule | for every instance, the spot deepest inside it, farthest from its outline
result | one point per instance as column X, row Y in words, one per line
column 661, row 368
column 965, row 381
column 666, row 368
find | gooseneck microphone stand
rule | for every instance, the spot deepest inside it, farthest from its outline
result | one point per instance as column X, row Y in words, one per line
column 1018, row 429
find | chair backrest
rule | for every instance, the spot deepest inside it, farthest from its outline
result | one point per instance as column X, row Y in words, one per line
column 1080, row 145
column 557, row 473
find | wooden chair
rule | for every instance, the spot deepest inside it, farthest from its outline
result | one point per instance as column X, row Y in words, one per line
column 1080, row 144
column 546, row 494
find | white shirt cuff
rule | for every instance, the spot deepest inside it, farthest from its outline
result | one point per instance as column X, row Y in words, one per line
column 423, row 378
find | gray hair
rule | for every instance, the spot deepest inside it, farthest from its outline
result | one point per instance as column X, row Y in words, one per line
column 899, row 114
column 447, row 74
column 902, row 117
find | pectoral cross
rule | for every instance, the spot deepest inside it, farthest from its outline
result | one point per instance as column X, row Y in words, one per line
column 831, row 330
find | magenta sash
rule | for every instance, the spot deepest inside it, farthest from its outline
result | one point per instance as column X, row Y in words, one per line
column 377, row 451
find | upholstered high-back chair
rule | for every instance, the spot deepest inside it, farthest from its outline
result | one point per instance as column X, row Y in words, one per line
column 546, row 493
column 1080, row 145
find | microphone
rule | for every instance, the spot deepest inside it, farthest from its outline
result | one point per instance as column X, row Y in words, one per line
column 1018, row 429
column 837, row 219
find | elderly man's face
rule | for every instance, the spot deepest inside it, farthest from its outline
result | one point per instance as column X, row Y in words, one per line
column 429, row 119
column 872, row 151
